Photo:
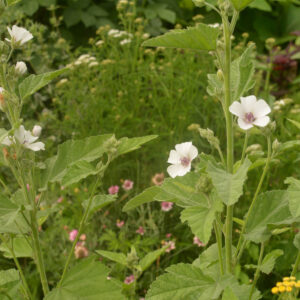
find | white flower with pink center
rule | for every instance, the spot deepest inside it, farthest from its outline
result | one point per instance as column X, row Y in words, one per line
column 251, row 112
column 127, row 185
column 129, row 279
column 19, row 35
column 166, row 206
column 181, row 159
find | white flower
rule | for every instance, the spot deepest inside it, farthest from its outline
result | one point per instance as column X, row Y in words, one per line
column 181, row 159
column 99, row 43
column 19, row 35
column 25, row 138
column 113, row 32
column 215, row 25
column 93, row 64
column 251, row 112
column 124, row 42
column 21, row 67
column 37, row 130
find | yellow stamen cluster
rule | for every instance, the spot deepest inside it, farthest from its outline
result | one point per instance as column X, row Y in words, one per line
column 286, row 285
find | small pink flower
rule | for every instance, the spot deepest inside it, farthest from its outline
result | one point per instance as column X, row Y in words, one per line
column 127, row 185
column 141, row 230
column 171, row 245
column 60, row 200
column 28, row 187
column 104, row 226
column 72, row 235
column 197, row 242
column 114, row 189
column 80, row 250
column 166, row 206
column 129, row 279
column 83, row 237
column 158, row 178
column 120, row 224
column 168, row 235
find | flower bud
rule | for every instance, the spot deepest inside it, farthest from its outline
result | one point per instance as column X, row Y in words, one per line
column 220, row 75
column 199, row 3
column 275, row 146
column 270, row 42
column 37, row 130
column 21, row 68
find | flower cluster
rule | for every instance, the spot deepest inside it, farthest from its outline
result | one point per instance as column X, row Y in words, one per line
column 115, row 33
column 288, row 284
column 84, row 59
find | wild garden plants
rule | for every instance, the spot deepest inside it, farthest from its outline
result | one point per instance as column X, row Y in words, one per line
column 209, row 194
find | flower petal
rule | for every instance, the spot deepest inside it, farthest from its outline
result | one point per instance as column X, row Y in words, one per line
column 178, row 170
column 244, row 125
column 20, row 134
column 248, row 103
column 6, row 141
column 193, row 153
column 174, row 157
column 237, row 109
column 261, row 109
column 35, row 146
column 262, row 121
column 183, row 149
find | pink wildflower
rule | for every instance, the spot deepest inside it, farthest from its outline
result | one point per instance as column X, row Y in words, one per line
column 127, row 185
column 120, row 224
column 114, row 189
column 83, row 237
column 141, row 230
column 158, row 178
column 80, row 250
column 129, row 279
column 197, row 242
column 168, row 235
column 60, row 199
column 171, row 245
column 72, row 235
column 166, row 206
column 28, row 187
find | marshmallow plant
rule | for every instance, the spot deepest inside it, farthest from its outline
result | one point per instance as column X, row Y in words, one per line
column 209, row 192
column 21, row 218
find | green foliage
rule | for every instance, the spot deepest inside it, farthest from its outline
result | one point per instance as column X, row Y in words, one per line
column 271, row 208
column 99, row 201
column 150, row 258
column 33, row 83
column 201, row 37
column 229, row 186
column 20, row 245
column 88, row 280
column 116, row 257
column 8, row 276
column 293, row 193
column 269, row 261
column 240, row 4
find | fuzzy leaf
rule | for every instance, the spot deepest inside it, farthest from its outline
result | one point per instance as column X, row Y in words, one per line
column 296, row 241
column 294, row 195
column 99, row 201
column 240, row 4
column 229, row 186
column 269, row 261
column 87, row 280
column 271, row 208
column 151, row 257
column 9, row 275
column 21, row 247
column 201, row 37
column 200, row 218
column 114, row 256
column 242, row 72
column 33, row 83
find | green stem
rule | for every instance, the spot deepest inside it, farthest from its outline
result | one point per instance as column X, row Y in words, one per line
column 26, row 288
column 296, row 265
column 82, row 223
column 229, row 134
column 257, row 272
column 245, row 147
column 219, row 242
column 255, row 197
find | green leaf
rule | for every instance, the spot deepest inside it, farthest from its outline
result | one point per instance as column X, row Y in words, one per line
column 8, row 210
column 296, row 241
column 294, row 195
column 8, row 276
column 269, row 261
column 87, row 280
column 296, row 123
column 261, row 5
column 288, row 146
column 114, row 256
column 240, row 4
column 167, row 15
column 271, row 208
column 201, row 217
column 33, row 83
column 128, row 145
column 21, row 247
column 201, row 37
column 12, row 2
column 97, row 11
column 151, row 257
column 240, row 292
column 182, row 281
column 99, row 201
column 229, row 294
column 229, row 186
column 71, row 153
column 242, row 72
column 72, row 16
